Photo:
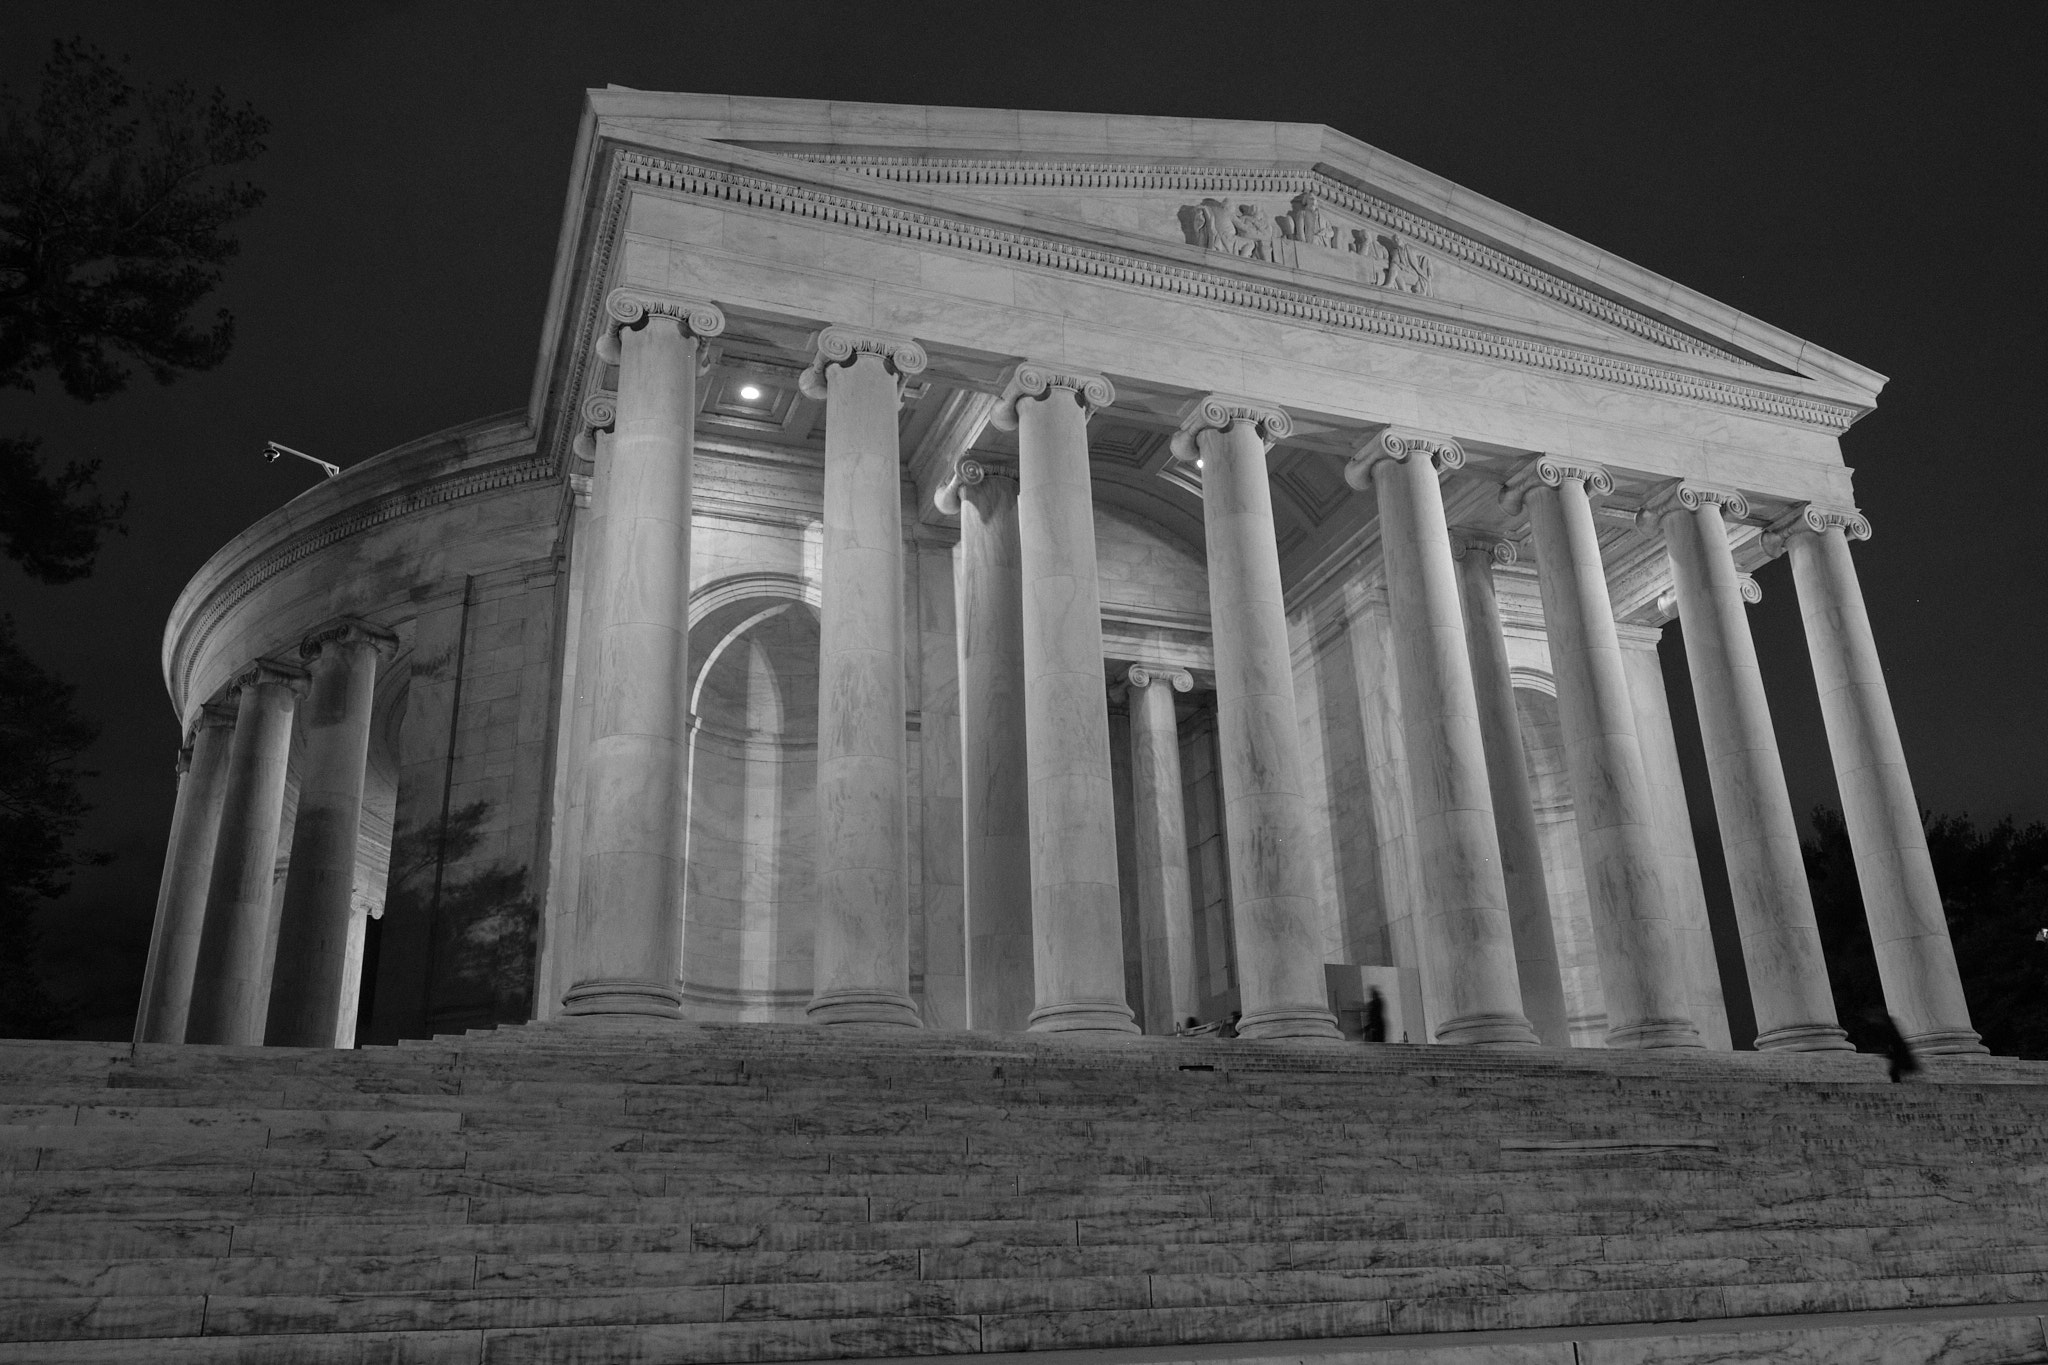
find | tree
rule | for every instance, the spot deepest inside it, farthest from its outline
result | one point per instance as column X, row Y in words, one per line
column 41, row 808
column 112, row 230
column 1994, row 892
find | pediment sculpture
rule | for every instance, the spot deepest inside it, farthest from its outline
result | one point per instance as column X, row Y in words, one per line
column 1248, row 231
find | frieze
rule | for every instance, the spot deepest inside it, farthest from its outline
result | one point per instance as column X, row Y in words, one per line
column 1301, row 305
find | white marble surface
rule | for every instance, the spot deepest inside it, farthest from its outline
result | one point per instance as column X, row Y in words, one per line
column 1641, row 963
column 1521, row 851
column 1280, row 936
column 1076, row 912
column 1464, row 897
column 231, row 977
column 1788, row 976
column 862, row 950
column 995, row 804
column 188, row 868
column 317, row 924
column 630, row 882
column 1908, row 927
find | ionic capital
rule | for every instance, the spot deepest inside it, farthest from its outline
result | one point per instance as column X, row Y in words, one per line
column 1746, row 587
column 900, row 355
column 1466, row 540
column 1809, row 520
column 215, row 715
column 626, row 307
column 600, row 413
column 1552, row 472
column 268, row 672
column 347, row 631
column 1221, row 412
column 1400, row 447
column 969, row 473
column 1035, row 381
column 1680, row 496
column 1144, row 675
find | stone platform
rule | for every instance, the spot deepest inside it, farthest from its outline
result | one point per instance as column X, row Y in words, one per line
column 607, row 1193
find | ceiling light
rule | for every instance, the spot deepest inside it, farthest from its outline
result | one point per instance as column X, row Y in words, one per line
column 750, row 393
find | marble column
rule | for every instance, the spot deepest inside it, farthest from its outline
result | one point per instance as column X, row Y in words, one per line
column 1514, row 816
column 1659, row 743
column 188, row 867
column 994, row 766
column 629, row 890
column 231, row 972
column 1165, row 901
column 1465, row 912
column 1076, row 907
column 1642, row 965
column 1915, row 960
column 1788, row 977
column 1281, row 946
column 310, row 973
column 861, row 960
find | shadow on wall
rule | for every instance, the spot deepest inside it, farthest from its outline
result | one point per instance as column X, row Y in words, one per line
column 485, row 922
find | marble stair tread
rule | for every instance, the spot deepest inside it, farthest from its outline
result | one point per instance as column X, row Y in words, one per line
column 786, row 1193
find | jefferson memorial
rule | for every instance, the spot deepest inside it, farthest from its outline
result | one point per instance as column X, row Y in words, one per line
column 972, row 569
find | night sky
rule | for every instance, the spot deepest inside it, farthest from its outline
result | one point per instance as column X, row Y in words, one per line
column 1867, row 177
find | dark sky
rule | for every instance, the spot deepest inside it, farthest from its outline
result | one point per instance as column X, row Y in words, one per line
column 1868, row 177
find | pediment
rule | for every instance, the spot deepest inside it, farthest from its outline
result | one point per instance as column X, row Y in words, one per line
column 1293, row 220
column 1298, row 220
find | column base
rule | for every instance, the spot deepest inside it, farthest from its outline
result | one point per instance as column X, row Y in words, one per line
column 1655, row 1033
column 1488, row 1030
column 876, row 1009
column 1805, row 1038
column 1949, row 1041
column 1291, row 1021
column 649, row 998
column 1083, row 1016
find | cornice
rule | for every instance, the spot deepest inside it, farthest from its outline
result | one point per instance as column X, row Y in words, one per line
column 1190, row 178
column 239, row 584
column 761, row 191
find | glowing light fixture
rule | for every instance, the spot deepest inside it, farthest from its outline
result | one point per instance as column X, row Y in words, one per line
column 750, row 393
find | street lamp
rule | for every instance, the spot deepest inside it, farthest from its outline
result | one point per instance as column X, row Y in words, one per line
column 272, row 450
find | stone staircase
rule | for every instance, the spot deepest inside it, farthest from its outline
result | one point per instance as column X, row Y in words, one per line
column 601, row 1192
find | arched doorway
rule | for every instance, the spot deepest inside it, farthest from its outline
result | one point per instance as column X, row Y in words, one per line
column 750, row 906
